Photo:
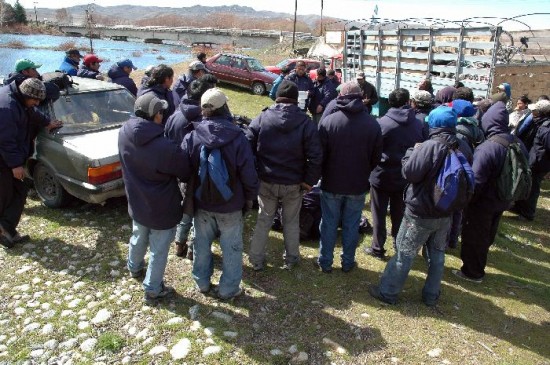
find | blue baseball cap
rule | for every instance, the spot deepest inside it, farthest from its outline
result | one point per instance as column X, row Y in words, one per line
column 442, row 117
column 463, row 108
column 126, row 63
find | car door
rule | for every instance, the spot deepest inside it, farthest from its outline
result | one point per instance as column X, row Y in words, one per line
column 221, row 68
column 241, row 72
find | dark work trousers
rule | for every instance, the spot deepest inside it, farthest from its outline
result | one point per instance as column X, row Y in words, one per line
column 479, row 228
column 454, row 231
column 379, row 200
column 528, row 207
column 13, row 194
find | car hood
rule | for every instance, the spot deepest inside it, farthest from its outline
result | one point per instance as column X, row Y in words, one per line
column 95, row 146
column 268, row 74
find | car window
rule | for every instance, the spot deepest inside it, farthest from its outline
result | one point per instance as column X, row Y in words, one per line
column 93, row 111
column 254, row 64
column 223, row 60
column 239, row 63
column 283, row 63
column 313, row 66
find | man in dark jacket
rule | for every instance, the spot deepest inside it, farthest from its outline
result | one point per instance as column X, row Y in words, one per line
column 216, row 132
column 301, row 78
column 284, row 73
column 120, row 74
column 161, row 80
column 423, row 223
column 90, row 67
column 401, row 130
column 177, row 127
column 539, row 158
column 323, row 92
column 70, row 62
column 24, row 69
column 19, row 121
column 196, row 70
column 352, row 145
column 370, row 96
column 151, row 165
column 481, row 217
column 288, row 157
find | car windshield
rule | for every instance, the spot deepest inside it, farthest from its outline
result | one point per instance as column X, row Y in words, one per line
column 283, row 63
column 254, row 64
column 93, row 111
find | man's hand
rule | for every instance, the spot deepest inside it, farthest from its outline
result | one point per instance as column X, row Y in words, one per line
column 305, row 187
column 54, row 124
column 100, row 77
column 18, row 173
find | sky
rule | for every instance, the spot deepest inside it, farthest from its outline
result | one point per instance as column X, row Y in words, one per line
column 361, row 9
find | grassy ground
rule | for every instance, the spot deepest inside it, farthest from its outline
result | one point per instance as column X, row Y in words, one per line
column 54, row 287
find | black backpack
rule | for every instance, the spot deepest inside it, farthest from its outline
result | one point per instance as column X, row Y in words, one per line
column 58, row 78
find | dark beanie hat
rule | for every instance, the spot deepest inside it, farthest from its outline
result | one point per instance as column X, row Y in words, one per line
column 287, row 89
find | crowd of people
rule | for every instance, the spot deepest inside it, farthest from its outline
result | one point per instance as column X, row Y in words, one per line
column 191, row 173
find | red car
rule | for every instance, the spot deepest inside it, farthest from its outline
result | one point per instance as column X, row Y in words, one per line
column 291, row 64
column 243, row 71
column 335, row 64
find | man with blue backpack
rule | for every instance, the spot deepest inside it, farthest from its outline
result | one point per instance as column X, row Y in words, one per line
column 227, row 183
column 440, row 181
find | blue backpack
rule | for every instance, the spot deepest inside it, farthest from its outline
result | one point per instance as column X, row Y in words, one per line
column 454, row 185
column 214, row 178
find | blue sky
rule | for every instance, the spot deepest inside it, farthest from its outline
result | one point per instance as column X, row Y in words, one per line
column 357, row 9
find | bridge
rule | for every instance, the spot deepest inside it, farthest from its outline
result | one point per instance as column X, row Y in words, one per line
column 245, row 38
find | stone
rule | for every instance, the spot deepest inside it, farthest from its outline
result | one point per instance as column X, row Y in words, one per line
column 101, row 316
column 126, row 360
column 74, row 303
column 69, row 344
column 175, row 320
column 83, row 325
column 223, row 316
column 195, row 326
column 194, row 312
column 148, row 341
column 37, row 353
column 230, row 334
column 211, row 350
column 335, row 346
column 435, row 352
column 66, row 313
column 157, row 350
column 209, row 331
column 88, row 345
column 180, row 349
column 301, row 357
column 19, row 311
column 142, row 334
column 276, row 352
column 31, row 327
column 293, row 349
column 51, row 344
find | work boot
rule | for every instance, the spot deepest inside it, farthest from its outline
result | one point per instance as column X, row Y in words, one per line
column 181, row 249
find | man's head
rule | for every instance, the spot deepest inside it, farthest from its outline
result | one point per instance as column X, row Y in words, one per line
column 92, row 61
column 33, row 92
column 197, row 88
column 399, row 98
column 506, row 88
column 321, row 74
column 213, row 102
column 426, row 85
column 197, row 69
column 300, row 68
column 210, row 79
column 464, row 93
column 27, row 67
column 540, row 109
column 201, row 57
column 442, row 117
column 150, row 107
column 360, row 77
column 421, row 99
column 162, row 75
column 350, row 88
column 126, row 65
column 331, row 74
column 74, row 55
column 287, row 90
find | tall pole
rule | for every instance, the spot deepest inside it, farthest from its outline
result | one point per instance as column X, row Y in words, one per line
column 321, row 26
column 89, row 21
column 35, row 15
column 294, row 30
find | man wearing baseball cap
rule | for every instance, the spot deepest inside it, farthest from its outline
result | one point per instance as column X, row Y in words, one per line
column 70, row 62
column 120, row 74
column 90, row 67
column 195, row 71
column 24, row 69
column 18, row 116
column 151, row 165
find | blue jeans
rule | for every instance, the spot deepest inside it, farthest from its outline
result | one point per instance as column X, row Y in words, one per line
column 413, row 234
column 230, row 226
column 183, row 228
column 159, row 244
column 336, row 208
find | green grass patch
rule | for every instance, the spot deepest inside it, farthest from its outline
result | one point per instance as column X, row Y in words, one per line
column 110, row 341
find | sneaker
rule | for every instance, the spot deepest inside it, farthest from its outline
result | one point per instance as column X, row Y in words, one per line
column 231, row 297
column 350, row 267
column 288, row 266
column 325, row 270
column 20, row 239
column 140, row 274
column 165, row 292
column 377, row 255
column 258, row 267
column 6, row 239
column 210, row 289
column 460, row 274
column 181, row 249
column 374, row 291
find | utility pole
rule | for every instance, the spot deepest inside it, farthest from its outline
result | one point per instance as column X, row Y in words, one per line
column 321, row 26
column 35, row 15
column 90, row 25
column 294, row 30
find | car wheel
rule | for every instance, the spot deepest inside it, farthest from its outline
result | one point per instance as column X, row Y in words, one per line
column 258, row 88
column 48, row 187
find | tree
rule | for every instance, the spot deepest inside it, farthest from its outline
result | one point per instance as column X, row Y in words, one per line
column 7, row 15
column 20, row 13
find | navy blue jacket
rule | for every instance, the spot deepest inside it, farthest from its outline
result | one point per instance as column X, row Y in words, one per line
column 52, row 90
column 151, row 165
column 86, row 72
column 352, row 145
column 304, row 82
column 181, row 122
column 323, row 93
column 539, row 154
column 118, row 76
column 179, row 89
column 401, row 130
column 287, row 146
column 220, row 132
column 420, row 168
column 161, row 93
column 489, row 159
column 18, row 127
column 69, row 66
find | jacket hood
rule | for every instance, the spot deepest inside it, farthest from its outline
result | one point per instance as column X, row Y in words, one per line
column 495, row 120
column 190, row 108
column 142, row 131
column 447, row 133
column 351, row 103
column 15, row 76
column 403, row 115
column 115, row 72
column 288, row 117
column 72, row 62
column 216, row 132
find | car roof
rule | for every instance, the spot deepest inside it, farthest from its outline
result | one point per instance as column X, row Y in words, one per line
column 235, row 55
column 302, row 59
column 85, row 85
